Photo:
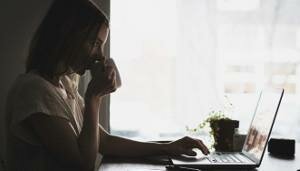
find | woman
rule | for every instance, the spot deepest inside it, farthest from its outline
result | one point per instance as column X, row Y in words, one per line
column 49, row 125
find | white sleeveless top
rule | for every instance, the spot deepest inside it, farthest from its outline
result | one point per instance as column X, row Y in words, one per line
column 30, row 93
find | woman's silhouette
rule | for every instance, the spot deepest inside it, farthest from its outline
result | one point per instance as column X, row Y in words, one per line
column 49, row 125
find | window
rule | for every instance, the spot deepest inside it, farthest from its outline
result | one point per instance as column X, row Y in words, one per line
column 178, row 59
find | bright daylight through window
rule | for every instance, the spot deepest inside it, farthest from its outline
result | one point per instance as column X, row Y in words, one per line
column 178, row 59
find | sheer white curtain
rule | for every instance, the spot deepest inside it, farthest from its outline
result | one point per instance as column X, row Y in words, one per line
column 167, row 58
column 197, row 71
column 178, row 58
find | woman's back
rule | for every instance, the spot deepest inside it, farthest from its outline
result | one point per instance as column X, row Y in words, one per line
column 32, row 94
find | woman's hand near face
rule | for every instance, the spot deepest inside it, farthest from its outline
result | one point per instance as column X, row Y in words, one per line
column 103, row 80
column 185, row 146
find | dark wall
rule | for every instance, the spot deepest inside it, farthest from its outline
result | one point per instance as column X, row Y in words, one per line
column 19, row 19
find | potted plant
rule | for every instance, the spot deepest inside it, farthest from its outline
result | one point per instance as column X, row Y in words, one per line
column 221, row 130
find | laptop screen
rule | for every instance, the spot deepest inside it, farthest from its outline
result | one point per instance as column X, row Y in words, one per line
column 262, row 122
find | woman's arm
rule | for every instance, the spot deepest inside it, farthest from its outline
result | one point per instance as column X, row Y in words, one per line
column 88, row 140
column 117, row 146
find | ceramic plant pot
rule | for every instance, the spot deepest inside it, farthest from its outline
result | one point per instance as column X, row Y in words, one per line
column 223, row 132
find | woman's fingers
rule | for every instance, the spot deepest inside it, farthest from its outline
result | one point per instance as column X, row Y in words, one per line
column 103, row 80
column 206, row 151
column 111, row 73
column 189, row 152
column 196, row 143
column 185, row 146
column 97, row 68
column 199, row 144
column 112, row 86
column 107, row 76
column 179, row 150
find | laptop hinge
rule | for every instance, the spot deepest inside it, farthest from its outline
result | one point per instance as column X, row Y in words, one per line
column 248, row 157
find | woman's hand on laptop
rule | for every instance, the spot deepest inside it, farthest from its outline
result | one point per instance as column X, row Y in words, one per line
column 185, row 146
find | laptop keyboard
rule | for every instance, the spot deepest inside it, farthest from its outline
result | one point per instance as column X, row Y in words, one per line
column 220, row 157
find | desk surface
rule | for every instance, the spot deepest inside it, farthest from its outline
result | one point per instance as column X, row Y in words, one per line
column 269, row 163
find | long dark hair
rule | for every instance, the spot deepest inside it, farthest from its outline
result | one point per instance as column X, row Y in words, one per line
column 61, row 35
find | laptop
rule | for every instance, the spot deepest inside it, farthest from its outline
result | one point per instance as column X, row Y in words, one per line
column 255, row 143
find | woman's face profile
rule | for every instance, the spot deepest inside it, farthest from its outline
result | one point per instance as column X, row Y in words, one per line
column 94, row 51
column 97, row 51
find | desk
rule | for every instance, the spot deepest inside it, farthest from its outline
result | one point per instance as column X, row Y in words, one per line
column 269, row 163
